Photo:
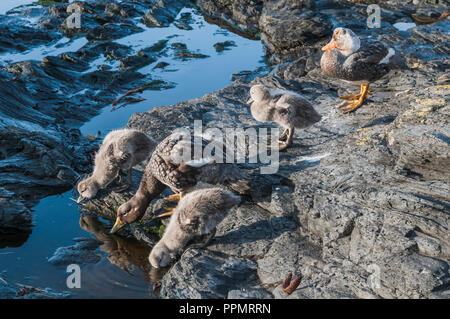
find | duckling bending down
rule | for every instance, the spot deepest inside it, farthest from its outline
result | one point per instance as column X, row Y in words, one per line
column 198, row 213
column 284, row 108
column 348, row 58
column 168, row 167
column 121, row 149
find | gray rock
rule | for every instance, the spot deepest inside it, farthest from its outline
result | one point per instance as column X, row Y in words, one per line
column 242, row 16
column 17, row 291
column 359, row 205
column 14, row 215
column 428, row 246
column 41, row 150
column 211, row 275
column 163, row 12
column 249, row 294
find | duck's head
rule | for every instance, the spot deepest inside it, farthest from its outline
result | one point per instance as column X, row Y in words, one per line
column 344, row 40
column 128, row 213
column 160, row 255
column 258, row 93
column 87, row 189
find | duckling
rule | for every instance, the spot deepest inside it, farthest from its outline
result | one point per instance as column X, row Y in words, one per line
column 198, row 213
column 167, row 168
column 121, row 149
column 285, row 108
column 359, row 62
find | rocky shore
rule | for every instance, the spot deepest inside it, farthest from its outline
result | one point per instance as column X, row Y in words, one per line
column 43, row 103
column 359, row 206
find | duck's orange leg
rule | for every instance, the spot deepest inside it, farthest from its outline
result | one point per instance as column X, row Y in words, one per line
column 354, row 96
column 169, row 212
column 353, row 105
column 174, row 197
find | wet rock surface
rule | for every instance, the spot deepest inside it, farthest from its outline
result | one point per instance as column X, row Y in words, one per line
column 18, row 291
column 43, row 102
column 359, row 205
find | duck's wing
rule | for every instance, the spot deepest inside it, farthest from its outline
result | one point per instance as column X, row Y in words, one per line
column 175, row 162
column 181, row 162
column 165, row 169
column 108, row 159
column 212, row 167
column 118, row 158
column 369, row 63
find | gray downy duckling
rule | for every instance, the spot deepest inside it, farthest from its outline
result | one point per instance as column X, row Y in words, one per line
column 285, row 108
column 197, row 214
column 167, row 169
column 121, row 149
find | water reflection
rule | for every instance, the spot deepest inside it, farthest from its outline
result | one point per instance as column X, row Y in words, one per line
column 13, row 240
column 127, row 254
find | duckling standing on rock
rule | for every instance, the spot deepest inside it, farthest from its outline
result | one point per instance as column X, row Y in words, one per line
column 348, row 58
column 198, row 213
column 166, row 168
column 121, row 149
column 285, row 108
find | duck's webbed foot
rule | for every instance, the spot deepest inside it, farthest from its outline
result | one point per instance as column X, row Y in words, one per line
column 285, row 144
column 169, row 209
column 284, row 135
column 282, row 146
column 173, row 197
column 350, row 107
column 169, row 212
column 353, row 104
column 354, row 97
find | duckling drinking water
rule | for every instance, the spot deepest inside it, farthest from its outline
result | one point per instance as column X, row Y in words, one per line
column 284, row 108
column 121, row 149
column 197, row 213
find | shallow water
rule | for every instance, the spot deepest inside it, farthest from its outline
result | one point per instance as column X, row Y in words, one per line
column 123, row 270
column 6, row 5
column 52, row 49
column 193, row 78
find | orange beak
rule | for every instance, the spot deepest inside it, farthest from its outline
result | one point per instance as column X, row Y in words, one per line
column 329, row 46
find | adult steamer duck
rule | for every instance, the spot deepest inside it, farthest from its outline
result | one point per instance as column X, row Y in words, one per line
column 168, row 168
column 361, row 62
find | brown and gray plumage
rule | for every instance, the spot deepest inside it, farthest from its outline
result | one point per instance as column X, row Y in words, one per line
column 198, row 213
column 285, row 108
column 174, row 164
column 121, row 149
column 348, row 58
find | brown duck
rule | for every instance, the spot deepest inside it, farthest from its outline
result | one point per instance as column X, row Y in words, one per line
column 170, row 166
column 359, row 62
